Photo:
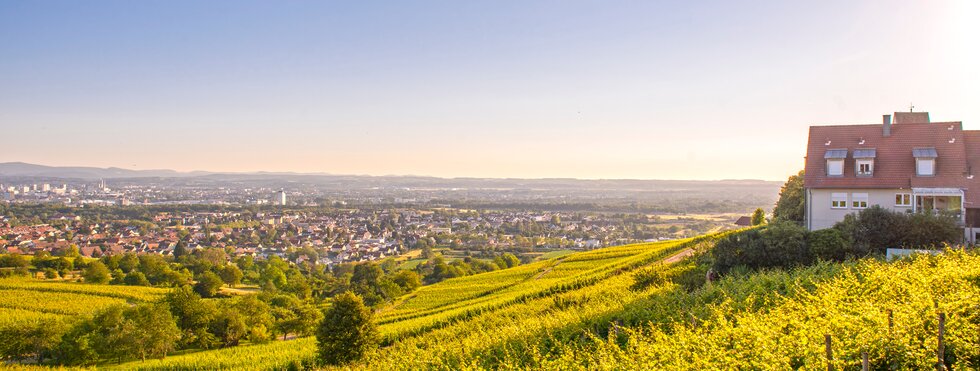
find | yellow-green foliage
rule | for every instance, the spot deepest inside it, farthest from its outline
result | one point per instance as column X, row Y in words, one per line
column 585, row 311
column 778, row 320
column 453, row 308
column 20, row 297
column 274, row 355
column 132, row 293
column 13, row 316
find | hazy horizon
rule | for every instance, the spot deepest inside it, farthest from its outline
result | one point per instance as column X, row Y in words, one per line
column 583, row 90
column 377, row 175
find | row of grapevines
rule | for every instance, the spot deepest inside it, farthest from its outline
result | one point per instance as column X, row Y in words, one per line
column 134, row 293
column 55, row 302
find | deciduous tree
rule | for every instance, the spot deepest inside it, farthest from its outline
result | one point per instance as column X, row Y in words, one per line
column 347, row 332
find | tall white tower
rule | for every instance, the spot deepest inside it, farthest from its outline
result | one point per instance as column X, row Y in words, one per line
column 281, row 197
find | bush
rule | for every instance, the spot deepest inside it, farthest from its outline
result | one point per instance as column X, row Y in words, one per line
column 930, row 230
column 828, row 244
column 50, row 273
column 780, row 245
column 875, row 229
column 13, row 261
column 136, row 278
column 784, row 244
column 650, row 276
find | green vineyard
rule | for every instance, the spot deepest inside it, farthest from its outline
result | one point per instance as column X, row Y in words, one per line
column 22, row 298
column 587, row 311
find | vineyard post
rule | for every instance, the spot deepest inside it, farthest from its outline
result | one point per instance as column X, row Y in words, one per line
column 864, row 361
column 830, row 352
column 941, row 351
column 891, row 325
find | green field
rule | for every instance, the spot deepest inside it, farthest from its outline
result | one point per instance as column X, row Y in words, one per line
column 411, row 264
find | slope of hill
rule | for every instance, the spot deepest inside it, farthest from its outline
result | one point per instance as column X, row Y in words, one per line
column 20, row 295
column 586, row 311
column 454, row 320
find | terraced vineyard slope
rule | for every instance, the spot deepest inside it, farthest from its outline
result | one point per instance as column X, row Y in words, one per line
column 455, row 318
column 22, row 298
column 589, row 311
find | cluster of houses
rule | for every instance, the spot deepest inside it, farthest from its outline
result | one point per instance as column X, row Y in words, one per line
column 338, row 236
column 349, row 236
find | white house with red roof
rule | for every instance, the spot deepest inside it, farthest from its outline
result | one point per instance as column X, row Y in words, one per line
column 910, row 164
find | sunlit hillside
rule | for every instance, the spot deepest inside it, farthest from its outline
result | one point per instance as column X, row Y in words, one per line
column 646, row 307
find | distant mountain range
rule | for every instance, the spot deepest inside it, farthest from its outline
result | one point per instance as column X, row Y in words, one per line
column 25, row 170
column 22, row 169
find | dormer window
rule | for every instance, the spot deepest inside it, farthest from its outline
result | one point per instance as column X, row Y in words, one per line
column 864, row 161
column 835, row 161
column 925, row 161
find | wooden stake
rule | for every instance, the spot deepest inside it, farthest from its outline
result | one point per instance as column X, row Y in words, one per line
column 941, row 351
column 864, row 361
column 830, row 352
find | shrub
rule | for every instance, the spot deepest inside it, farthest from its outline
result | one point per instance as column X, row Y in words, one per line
column 779, row 245
column 136, row 278
column 875, row 229
column 650, row 276
column 930, row 230
column 828, row 244
column 13, row 261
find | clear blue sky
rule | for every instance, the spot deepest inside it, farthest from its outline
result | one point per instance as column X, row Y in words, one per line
column 597, row 89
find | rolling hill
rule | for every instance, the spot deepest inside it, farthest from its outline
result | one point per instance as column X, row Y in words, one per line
column 646, row 306
column 588, row 311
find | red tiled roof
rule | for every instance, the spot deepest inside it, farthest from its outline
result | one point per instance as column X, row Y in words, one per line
column 971, row 142
column 894, row 166
column 744, row 221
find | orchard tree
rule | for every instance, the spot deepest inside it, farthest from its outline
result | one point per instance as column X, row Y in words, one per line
column 208, row 284
column 231, row 275
column 347, row 332
column 759, row 217
column 790, row 206
column 96, row 273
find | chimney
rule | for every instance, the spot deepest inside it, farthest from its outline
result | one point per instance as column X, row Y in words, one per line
column 911, row 118
column 886, row 125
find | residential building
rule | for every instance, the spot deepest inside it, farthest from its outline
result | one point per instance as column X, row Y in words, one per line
column 910, row 164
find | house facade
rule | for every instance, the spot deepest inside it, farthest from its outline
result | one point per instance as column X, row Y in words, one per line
column 907, row 164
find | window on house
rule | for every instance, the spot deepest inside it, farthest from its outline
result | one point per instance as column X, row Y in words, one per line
column 859, row 200
column 864, row 161
column 925, row 161
column 835, row 167
column 865, row 167
column 925, row 166
column 903, row 199
column 838, row 200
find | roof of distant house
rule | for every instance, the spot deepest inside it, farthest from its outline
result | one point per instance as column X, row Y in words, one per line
column 743, row 221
